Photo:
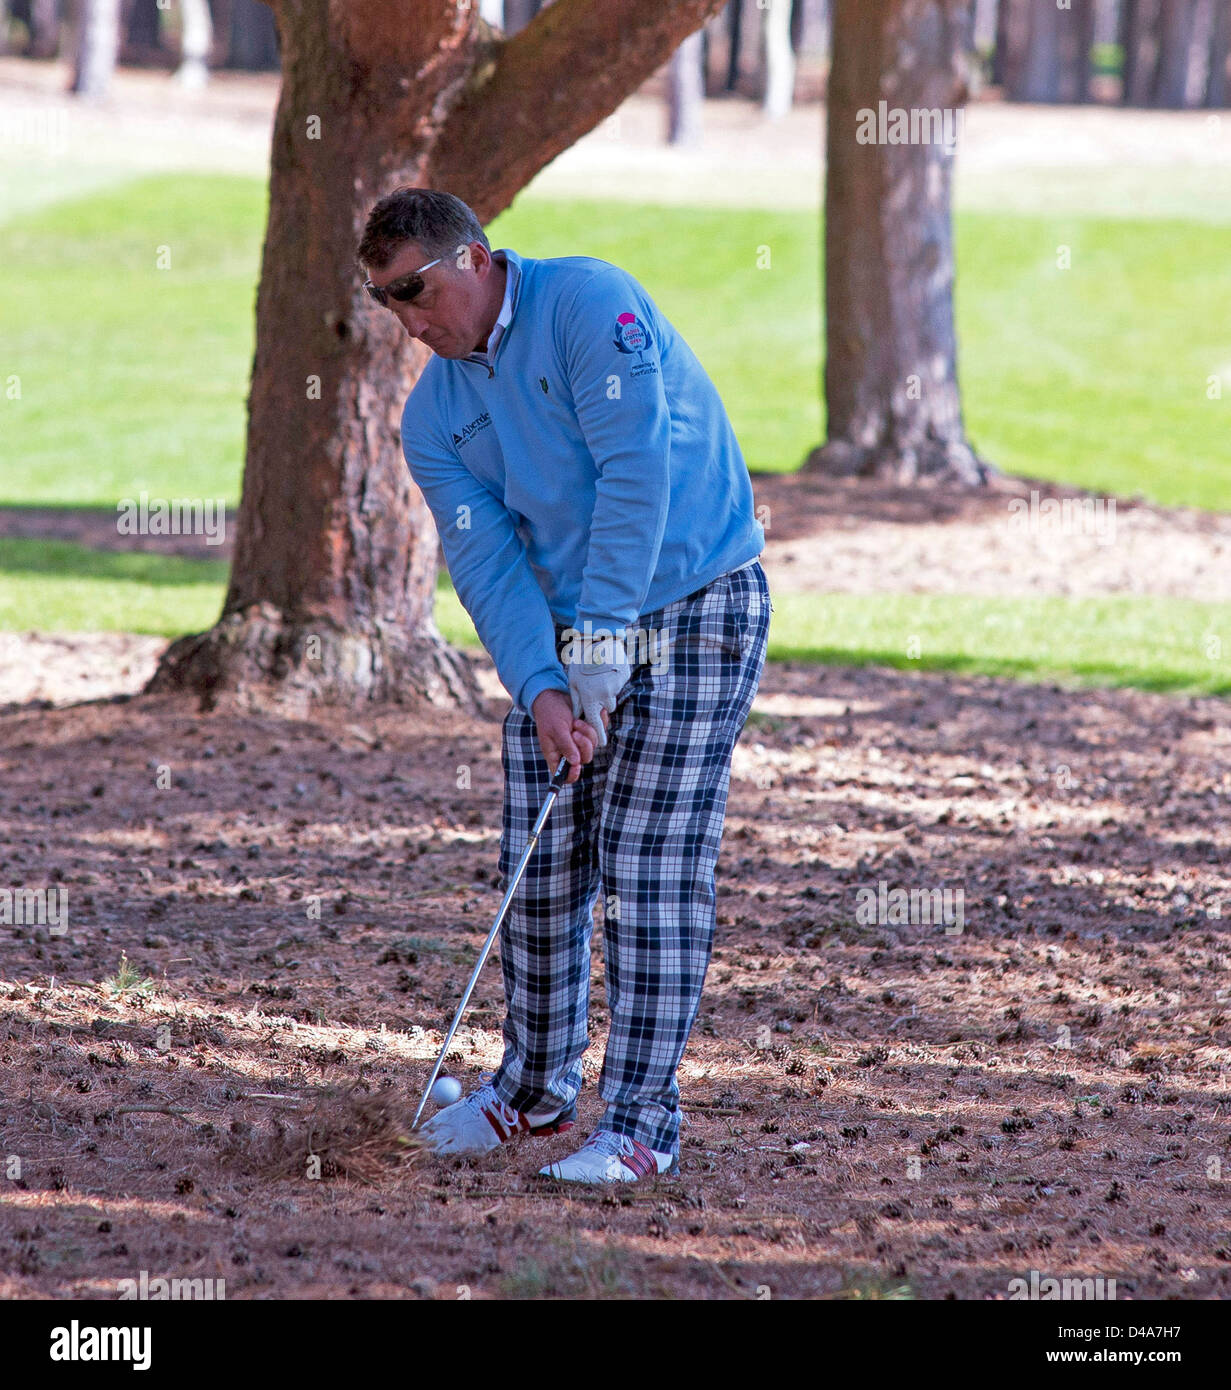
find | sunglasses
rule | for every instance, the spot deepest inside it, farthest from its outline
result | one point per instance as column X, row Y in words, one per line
column 403, row 289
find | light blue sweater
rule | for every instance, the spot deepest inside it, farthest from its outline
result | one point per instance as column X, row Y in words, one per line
column 589, row 473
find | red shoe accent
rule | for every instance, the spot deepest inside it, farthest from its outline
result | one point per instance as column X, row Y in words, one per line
column 497, row 1124
column 641, row 1160
column 553, row 1127
column 523, row 1126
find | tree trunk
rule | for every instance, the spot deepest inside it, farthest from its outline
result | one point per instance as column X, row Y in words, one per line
column 798, row 21
column 1035, row 75
column 333, row 582
column 686, row 93
column 253, row 37
column 519, row 13
column 779, row 61
column 196, row 37
column 42, row 20
column 891, row 388
column 143, row 30
column 1005, row 20
column 1176, row 54
column 1140, row 46
column 735, row 19
column 1217, row 85
column 98, row 44
column 1076, row 53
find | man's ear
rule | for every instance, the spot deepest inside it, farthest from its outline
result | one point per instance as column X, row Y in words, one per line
column 473, row 255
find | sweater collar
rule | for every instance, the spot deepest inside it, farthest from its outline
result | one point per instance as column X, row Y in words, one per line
column 512, row 287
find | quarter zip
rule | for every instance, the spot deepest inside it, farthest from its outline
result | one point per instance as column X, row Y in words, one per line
column 491, row 361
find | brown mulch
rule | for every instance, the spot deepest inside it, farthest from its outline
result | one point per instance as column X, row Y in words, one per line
column 872, row 1108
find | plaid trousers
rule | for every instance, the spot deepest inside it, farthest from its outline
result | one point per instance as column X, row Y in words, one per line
column 643, row 826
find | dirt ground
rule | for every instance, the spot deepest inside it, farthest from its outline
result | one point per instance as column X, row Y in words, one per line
column 1036, row 1082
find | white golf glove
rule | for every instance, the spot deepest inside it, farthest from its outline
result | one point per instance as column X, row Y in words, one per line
column 594, row 686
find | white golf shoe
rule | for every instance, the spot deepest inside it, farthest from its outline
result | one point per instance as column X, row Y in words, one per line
column 609, row 1157
column 482, row 1122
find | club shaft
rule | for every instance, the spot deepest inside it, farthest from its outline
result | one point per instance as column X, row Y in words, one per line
column 557, row 782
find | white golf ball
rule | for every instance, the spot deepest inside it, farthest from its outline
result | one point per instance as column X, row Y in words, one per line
column 447, row 1091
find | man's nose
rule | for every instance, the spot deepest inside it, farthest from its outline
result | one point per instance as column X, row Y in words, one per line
column 413, row 322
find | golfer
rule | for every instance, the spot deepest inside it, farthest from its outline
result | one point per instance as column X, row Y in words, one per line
column 597, row 519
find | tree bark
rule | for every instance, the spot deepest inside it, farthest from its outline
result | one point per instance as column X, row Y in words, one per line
column 686, row 92
column 333, row 582
column 890, row 377
column 97, row 46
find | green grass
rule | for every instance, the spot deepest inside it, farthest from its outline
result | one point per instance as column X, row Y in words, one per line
column 755, row 330
column 134, row 377
column 56, row 586
column 1098, row 375
column 1153, row 643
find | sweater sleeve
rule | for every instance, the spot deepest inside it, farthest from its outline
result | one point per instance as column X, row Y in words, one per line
column 488, row 565
column 611, row 346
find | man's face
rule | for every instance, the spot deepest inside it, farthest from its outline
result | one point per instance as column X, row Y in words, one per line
column 450, row 314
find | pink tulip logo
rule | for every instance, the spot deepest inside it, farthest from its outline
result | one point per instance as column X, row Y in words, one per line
column 632, row 335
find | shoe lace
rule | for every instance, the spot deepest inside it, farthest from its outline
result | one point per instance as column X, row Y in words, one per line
column 606, row 1141
column 485, row 1098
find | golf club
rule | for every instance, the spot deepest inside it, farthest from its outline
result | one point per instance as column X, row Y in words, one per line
column 557, row 781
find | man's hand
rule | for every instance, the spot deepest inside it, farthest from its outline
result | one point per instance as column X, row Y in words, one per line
column 594, row 686
column 562, row 734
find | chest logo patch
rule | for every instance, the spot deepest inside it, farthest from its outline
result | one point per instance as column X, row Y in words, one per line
column 469, row 431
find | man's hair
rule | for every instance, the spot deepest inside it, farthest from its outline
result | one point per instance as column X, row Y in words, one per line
column 438, row 222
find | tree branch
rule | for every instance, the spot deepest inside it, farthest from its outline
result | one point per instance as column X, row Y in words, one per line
column 546, row 87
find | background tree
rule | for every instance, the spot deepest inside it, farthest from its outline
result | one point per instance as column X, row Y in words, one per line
column 333, row 580
column 519, row 13
column 196, row 38
column 1218, row 79
column 1180, row 59
column 96, row 46
column 890, row 375
column 686, row 92
column 141, row 25
column 779, row 92
column 252, row 36
column 1043, row 52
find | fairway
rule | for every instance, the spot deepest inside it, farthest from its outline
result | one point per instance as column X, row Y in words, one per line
column 135, row 377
